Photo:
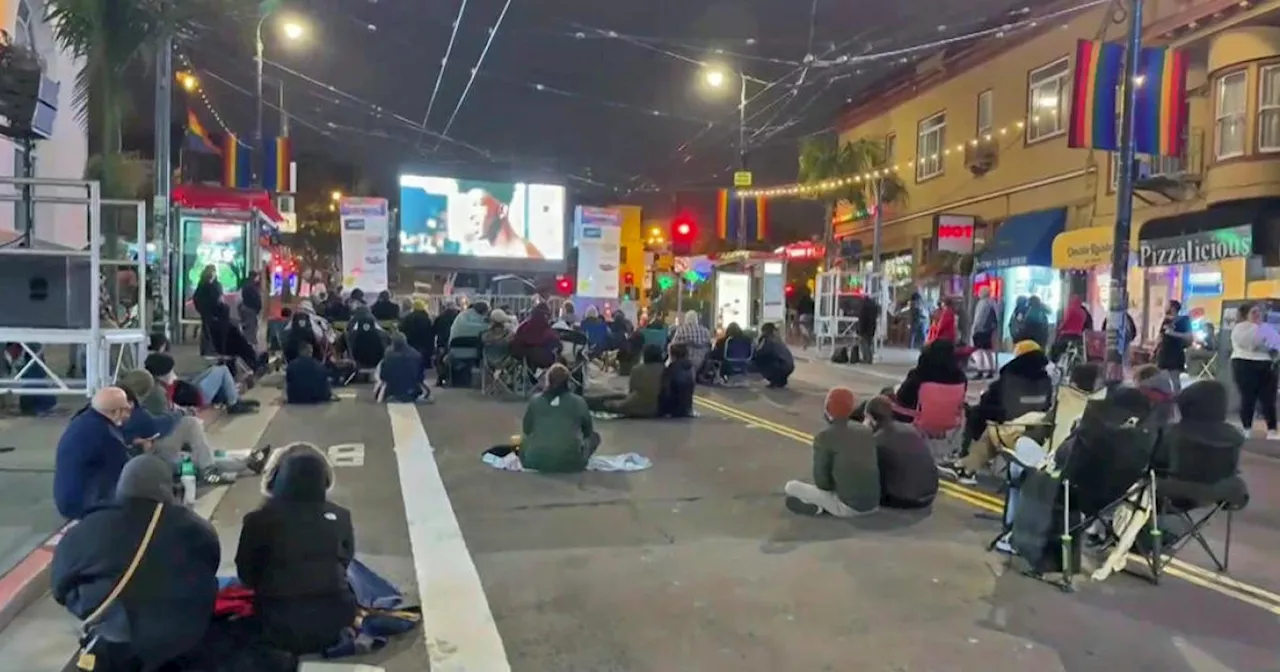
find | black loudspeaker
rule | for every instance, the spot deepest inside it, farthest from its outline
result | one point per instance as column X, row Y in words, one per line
column 28, row 99
column 44, row 291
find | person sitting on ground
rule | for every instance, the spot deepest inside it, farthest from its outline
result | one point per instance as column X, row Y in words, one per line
column 365, row 341
column 937, row 364
column 229, row 340
column 215, row 385
column 160, row 621
column 335, row 309
column 169, row 433
column 536, row 341
column 558, row 433
column 1025, row 377
column 384, row 308
column 294, row 552
column 772, row 357
column 644, row 389
column 91, row 453
column 678, row 382
column 307, row 381
column 306, row 326
column 419, row 329
column 846, row 473
column 908, row 474
column 402, row 375
column 695, row 337
column 356, row 300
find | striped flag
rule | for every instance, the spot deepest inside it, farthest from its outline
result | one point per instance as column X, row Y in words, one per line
column 277, row 174
column 729, row 211
column 1160, row 115
column 237, row 163
column 1095, row 102
column 198, row 139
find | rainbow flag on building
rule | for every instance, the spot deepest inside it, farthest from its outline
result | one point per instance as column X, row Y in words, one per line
column 1160, row 114
column 729, row 211
column 278, row 176
column 1095, row 103
column 198, row 139
column 237, row 163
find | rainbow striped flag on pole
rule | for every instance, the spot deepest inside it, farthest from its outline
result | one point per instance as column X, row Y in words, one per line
column 1095, row 103
column 728, row 211
column 237, row 164
column 1160, row 115
column 279, row 156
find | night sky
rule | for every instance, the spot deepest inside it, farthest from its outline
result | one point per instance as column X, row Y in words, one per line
column 607, row 96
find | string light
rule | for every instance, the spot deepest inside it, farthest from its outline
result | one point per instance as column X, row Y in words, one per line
column 823, row 186
column 199, row 90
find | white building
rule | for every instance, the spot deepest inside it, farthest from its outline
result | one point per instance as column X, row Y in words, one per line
column 62, row 156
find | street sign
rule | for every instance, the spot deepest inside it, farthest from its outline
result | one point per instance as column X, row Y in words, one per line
column 742, row 178
column 665, row 262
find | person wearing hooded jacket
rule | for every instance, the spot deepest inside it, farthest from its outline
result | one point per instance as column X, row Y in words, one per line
column 558, row 433
column 678, row 383
column 294, row 552
column 161, row 616
column 937, row 364
column 1197, row 459
column 1026, row 375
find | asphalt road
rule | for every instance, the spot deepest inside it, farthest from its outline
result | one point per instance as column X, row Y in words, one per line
column 695, row 564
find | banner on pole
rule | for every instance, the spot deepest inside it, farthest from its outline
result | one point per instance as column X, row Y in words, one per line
column 364, row 243
column 597, row 232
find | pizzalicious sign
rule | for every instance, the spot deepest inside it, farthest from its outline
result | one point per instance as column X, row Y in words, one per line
column 1198, row 248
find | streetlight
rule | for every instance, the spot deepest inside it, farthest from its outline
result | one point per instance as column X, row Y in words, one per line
column 336, row 196
column 718, row 78
column 292, row 30
column 189, row 81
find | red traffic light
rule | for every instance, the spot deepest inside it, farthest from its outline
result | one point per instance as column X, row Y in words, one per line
column 628, row 278
column 683, row 232
column 789, row 289
column 564, row 285
column 683, row 229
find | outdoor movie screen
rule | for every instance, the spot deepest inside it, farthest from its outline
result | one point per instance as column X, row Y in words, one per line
column 481, row 220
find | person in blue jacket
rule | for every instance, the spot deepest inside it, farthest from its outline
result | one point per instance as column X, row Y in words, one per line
column 306, row 381
column 402, row 373
column 91, row 454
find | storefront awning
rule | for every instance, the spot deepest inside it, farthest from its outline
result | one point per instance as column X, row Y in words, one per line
column 1226, row 231
column 1023, row 240
column 218, row 199
column 1086, row 248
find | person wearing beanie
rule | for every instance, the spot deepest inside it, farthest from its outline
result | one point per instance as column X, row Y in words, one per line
column 1023, row 386
column 846, row 472
column 215, row 385
column 558, row 433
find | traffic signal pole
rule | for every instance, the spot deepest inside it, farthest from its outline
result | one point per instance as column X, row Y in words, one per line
column 1119, row 303
column 742, row 159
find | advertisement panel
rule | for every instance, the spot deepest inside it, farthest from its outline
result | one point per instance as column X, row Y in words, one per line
column 598, row 234
column 482, row 220
column 733, row 300
column 364, row 243
column 222, row 244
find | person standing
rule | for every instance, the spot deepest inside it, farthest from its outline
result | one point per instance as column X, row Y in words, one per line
column 868, row 320
column 1175, row 336
column 986, row 321
column 1253, row 368
column 945, row 327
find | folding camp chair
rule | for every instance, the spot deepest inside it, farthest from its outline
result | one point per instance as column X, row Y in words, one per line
column 464, row 356
column 738, row 353
column 499, row 371
column 574, row 355
column 939, row 417
column 1203, row 364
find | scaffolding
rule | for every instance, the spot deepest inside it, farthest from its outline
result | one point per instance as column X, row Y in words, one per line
column 106, row 340
column 835, row 323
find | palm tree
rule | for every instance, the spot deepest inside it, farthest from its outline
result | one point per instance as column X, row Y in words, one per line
column 823, row 162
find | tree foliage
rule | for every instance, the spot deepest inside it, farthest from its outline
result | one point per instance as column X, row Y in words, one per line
column 822, row 160
column 318, row 241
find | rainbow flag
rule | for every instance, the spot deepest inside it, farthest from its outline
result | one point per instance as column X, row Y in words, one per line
column 237, row 163
column 1095, row 103
column 198, row 139
column 728, row 211
column 1160, row 115
column 279, row 157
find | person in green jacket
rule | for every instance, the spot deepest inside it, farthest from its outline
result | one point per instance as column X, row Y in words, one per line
column 846, row 470
column 559, row 435
column 644, row 389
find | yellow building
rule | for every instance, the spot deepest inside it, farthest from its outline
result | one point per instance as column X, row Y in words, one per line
column 632, row 251
column 978, row 136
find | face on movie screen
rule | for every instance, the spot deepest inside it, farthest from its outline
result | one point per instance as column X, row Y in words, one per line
column 448, row 216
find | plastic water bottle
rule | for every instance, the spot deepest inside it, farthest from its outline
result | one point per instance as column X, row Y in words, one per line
column 188, row 474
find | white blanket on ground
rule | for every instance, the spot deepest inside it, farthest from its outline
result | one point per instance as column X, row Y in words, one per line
column 623, row 462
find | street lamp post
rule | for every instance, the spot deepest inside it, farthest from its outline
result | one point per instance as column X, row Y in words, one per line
column 716, row 79
column 293, row 31
column 1117, row 340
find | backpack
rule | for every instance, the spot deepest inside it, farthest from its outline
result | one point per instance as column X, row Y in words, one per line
column 840, row 356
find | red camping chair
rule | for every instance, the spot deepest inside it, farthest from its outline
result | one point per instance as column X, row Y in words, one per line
column 940, row 417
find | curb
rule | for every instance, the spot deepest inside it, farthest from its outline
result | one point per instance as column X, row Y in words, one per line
column 27, row 582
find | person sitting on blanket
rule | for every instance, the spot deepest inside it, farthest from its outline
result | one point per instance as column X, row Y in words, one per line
column 644, row 389
column 306, row 381
column 1026, row 376
column 678, row 382
column 294, row 552
column 846, row 473
column 557, row 434
column 161, row 619
column 402, row 375
column 908, row 474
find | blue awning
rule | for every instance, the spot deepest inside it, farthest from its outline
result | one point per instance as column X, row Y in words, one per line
column 1023, row 240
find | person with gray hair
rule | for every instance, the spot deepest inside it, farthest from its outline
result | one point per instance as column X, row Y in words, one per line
column 693, row 336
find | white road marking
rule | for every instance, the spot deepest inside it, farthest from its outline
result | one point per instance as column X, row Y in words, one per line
column 456, row 621
column 346, row 454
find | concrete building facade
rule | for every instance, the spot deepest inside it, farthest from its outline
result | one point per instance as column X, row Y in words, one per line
column 978, row 135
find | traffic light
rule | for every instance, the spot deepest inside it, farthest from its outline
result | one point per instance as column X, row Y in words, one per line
column 564, row 285
column 789, row 289
column 628, row 279
column 683, row 232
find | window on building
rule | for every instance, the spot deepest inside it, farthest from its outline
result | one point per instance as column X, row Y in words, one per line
column 890, row 149
column 1047, row 101
column 1147, row 166
column 985, row 113
column 1269, row 108
column 24, row 32
column 930, row 141
column 1229, row 113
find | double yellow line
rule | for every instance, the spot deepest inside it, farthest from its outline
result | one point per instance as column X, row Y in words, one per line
column 1194, row 574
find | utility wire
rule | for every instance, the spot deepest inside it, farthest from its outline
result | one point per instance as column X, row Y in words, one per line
column 444, row 62
column 493, row 32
